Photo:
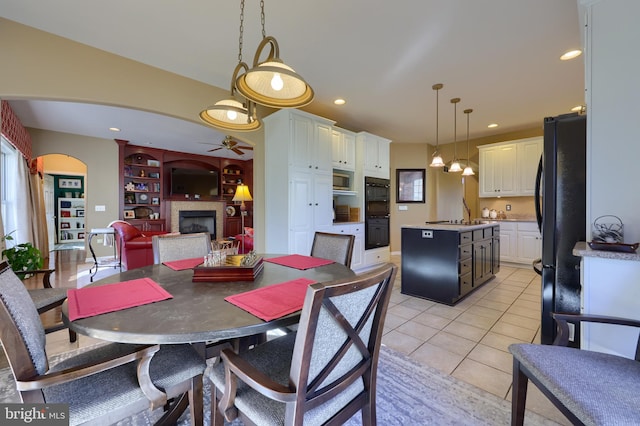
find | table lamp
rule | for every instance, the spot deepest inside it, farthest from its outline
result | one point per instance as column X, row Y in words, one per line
column 242, row 194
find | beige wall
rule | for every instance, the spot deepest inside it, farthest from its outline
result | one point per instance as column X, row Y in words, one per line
column 101, row 186
column 63, row 163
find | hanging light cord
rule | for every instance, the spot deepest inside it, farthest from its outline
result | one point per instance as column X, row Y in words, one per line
column 468, row 111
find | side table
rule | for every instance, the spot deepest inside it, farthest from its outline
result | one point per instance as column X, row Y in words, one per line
column 104, row 232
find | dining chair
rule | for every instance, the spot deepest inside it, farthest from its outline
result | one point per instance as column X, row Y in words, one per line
column 588, row 387
column 180, row 246
column 336, row 247
column 322, row 374
column 101, row 385
column 48, row 298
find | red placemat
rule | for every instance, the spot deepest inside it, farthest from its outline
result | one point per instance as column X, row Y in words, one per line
column 90, row 301
column 300, row 262
column 274, row 301
column 182, row 264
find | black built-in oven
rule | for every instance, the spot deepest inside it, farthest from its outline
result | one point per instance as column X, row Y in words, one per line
column 377, row 208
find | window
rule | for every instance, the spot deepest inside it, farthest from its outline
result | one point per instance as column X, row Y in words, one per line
column 8, row 170
column 410, row 183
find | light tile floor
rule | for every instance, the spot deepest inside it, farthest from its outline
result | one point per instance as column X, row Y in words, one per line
column 469, row 341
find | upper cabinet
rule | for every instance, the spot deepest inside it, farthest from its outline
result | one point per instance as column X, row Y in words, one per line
column 375, row 154
column 312, row 148
column 509, row 169
column 343, row 143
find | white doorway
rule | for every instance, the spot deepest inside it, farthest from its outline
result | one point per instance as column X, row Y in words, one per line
column 50, row 209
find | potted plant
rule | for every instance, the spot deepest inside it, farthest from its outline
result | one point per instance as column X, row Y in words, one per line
column 22, row 257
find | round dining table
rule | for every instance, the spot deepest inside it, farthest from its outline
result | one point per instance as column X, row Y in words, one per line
column 197, row 311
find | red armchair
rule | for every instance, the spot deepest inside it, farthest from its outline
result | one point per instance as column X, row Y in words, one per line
column 248, row 240
column 133, row 246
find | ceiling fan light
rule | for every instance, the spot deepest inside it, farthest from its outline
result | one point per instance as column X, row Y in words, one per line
column 468, row 171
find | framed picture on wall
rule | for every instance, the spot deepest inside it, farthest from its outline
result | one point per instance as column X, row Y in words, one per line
column 410, row 185
column 69, row 183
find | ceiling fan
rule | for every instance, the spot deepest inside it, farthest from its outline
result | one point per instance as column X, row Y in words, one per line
column 231, row 145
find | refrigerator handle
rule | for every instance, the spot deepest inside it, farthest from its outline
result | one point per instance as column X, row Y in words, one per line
column 537, row 266
column 537, row 196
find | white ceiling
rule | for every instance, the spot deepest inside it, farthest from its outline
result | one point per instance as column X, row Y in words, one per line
column 501, row 57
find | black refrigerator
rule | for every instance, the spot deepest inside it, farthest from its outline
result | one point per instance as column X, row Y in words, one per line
column 560, row 201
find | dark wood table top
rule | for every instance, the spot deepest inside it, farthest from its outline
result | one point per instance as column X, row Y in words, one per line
column 197, row 312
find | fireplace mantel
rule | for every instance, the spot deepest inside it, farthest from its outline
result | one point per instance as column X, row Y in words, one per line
column 176, row 206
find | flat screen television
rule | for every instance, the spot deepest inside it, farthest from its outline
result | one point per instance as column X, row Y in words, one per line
column 194, row 181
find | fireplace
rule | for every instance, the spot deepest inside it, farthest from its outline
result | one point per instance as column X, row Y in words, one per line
column 194, row 221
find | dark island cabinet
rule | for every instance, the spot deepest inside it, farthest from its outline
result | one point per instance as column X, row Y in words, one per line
column 445, row 263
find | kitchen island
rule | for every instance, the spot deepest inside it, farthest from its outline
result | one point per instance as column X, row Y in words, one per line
column 446, row 262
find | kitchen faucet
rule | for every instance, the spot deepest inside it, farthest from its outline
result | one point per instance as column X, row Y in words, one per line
column 466, row 207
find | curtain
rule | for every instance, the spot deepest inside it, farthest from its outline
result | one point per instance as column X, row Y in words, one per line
column 31, row 223
column 39, row 217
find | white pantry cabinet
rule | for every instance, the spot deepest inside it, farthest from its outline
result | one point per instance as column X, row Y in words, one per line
column 508, row 169
column 299, row 190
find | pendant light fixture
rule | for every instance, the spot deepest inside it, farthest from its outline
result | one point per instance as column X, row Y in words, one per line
column 436, row 160
column 468, row 171
column 455, row 164
column 273, row 83
column 231, row 113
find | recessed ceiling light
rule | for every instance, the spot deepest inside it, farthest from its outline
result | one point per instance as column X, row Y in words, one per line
column 492, row 125
column 339, row 101
column 114, row 129
column 570, row 55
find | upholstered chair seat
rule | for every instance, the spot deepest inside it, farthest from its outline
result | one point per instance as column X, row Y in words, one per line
column 588, row 387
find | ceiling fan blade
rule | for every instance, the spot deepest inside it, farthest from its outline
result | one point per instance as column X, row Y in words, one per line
column 237, row 151
column 214, row 149
column 244, row 147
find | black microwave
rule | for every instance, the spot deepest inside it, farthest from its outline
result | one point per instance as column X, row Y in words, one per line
column 341, row 181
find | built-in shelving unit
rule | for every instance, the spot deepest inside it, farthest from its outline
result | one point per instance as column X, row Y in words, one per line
column 71, row 220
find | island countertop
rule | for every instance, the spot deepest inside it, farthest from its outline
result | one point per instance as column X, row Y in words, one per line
column 454, row 226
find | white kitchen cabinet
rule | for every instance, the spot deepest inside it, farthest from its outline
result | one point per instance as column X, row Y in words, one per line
column 299, row 191
column 343, row 143
column 508, row 241
column 376, row 256
column 509, row 169
column 520, row 242
column 528, row 156
column 497, row 170
column 375, row 154
column 70, row 220
column 357, row 230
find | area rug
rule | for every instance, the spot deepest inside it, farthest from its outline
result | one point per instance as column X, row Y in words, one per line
column 408, row 393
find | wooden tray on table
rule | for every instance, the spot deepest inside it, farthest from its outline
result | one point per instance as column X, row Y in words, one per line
column 231, row 271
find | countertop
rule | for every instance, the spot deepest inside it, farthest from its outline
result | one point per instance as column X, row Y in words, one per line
column 454, row 226
column 582, row 249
